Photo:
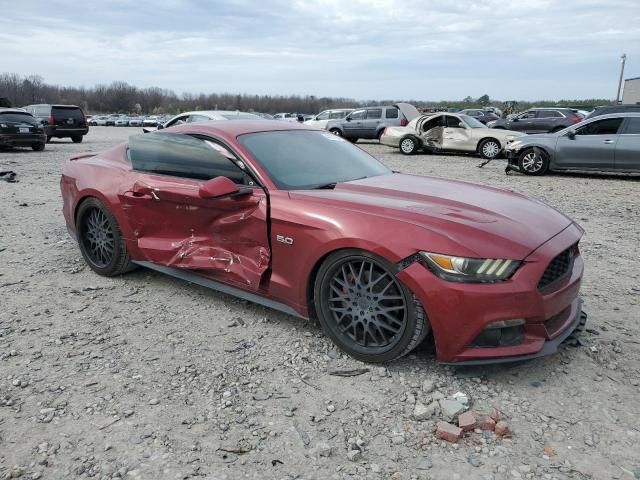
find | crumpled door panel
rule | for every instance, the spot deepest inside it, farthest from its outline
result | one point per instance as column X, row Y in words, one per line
column 222, row 238
column 433, row 137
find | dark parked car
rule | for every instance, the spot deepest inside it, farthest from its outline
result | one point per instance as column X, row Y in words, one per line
column 61, row 121
column 483, row 116
column 20, row 129
column 370, row 122
column 608, row 143
column 606, row 110
column 539, row 120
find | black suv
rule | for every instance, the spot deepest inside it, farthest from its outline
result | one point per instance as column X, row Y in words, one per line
column 613, row 109
column 61, row 121
column 20, row 129
column 539, row 120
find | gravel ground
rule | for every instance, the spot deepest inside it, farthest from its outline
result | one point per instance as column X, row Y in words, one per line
column 145, row 376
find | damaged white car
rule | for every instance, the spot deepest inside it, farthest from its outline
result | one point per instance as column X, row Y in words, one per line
column 448, row 132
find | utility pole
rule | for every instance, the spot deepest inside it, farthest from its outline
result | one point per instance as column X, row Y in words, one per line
column 623, row 59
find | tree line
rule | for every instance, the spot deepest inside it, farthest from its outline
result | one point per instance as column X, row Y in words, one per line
column 121, row 97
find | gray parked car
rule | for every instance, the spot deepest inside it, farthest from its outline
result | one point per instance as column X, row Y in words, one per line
column 370, row 122
column 608, row 143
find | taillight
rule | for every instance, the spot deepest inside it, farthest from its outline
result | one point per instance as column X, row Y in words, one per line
column 403, row 122
column 84, row 119
column 51, row 120
column 574, row 118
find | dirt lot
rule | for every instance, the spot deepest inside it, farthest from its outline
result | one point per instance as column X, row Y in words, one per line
column 145, row 376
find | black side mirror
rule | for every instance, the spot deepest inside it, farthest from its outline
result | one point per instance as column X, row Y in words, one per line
column 160, row 126
column 571, row 134
column 515, row 119
column 348, row 119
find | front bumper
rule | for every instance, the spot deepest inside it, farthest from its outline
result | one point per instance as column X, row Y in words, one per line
column 460, row 312
column 22, row 139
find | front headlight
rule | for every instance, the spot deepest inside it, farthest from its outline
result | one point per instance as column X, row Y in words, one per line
column 491, row 123
column 469, row 270
column 513, row 145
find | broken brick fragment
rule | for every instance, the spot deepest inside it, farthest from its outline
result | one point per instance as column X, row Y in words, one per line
column 495, row 415
column 488, row 424
column 467, row 421
column 448, row 432
column 502, row 429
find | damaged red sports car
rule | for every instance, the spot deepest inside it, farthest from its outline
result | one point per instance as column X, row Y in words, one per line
column 304, row 222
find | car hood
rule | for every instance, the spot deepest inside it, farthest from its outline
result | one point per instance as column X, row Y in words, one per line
column 478, row 220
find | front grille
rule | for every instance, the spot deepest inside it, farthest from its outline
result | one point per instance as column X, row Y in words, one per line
column 559, row 267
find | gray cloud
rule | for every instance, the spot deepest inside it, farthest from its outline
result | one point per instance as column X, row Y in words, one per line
column 361, row 49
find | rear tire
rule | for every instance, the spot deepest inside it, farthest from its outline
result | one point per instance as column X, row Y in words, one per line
column 100, row 239
column 533, row 161
column 408, row 145
column 38, row 147
column 365, row 310
column 77, row 139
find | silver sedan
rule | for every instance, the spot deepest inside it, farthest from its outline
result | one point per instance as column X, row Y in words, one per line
column 448, row 132
column 608, row 143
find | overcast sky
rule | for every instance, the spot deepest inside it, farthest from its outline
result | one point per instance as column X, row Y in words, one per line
column 373, row 49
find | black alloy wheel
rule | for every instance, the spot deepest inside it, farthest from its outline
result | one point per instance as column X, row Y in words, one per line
column 100, row 240
column 365, row 309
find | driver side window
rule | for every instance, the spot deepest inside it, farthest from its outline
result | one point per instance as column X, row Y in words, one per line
column 452, row 122
column 183, row 156
column 609, row 126
column 323, row 116
column 358, row 115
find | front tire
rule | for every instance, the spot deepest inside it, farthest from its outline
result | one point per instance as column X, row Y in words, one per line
column 408, row 145
column 100, row 239
column 76, row 139
column 365, row 309
column 489, row 148
column 38, row 147
column 533, row 161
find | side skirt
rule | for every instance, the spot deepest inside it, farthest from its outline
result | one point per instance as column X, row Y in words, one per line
column 220, row 287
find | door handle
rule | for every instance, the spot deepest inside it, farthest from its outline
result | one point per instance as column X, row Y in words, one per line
column 141, row 191
column 609, row 141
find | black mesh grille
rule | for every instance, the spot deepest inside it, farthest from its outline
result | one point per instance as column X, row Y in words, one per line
column 558, row 267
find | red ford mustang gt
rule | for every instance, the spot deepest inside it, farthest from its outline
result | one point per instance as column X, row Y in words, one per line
column 304, row 222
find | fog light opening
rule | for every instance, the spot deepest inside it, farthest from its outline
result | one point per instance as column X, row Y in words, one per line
column 500, row 334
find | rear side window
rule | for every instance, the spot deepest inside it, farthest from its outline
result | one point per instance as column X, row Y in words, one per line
column 391, row 113
column 633, row 126
column 180, row 156
column 67, row 112
column 17, row 117
column 609, row 126
column 549, row 114
column 374, row 113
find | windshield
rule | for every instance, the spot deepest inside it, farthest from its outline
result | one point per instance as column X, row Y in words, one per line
column 300, row 160
column 472, row 122
column 240, row 116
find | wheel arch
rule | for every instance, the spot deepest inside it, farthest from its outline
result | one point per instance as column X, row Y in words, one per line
column 487, row 138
